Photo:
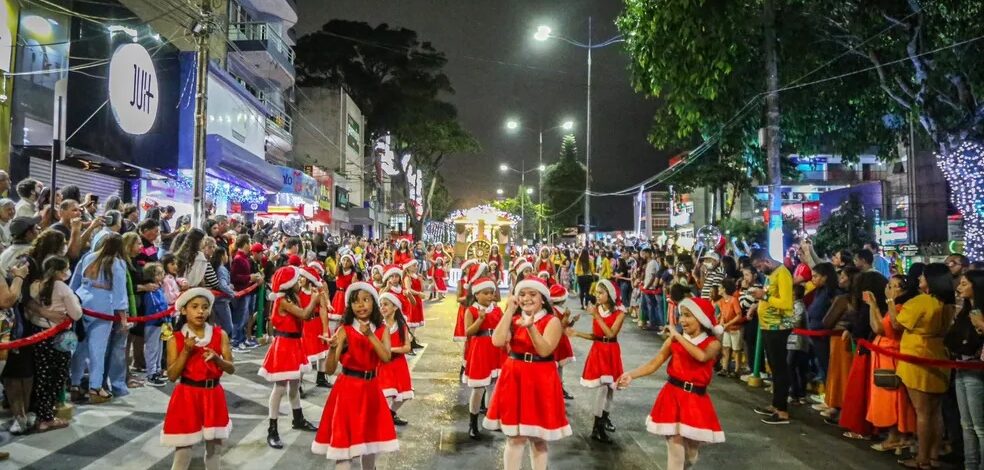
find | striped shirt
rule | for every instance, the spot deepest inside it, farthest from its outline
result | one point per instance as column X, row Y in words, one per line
column 712, row 279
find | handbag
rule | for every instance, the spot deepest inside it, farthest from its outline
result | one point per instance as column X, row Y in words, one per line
column 66, row 341
column 887, row 379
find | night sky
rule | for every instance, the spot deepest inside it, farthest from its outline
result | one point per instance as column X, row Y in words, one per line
column 499, row 72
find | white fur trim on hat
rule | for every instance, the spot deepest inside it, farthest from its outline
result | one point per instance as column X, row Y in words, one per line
column 391, row 271
column 376, row 267
column 610, row 288
column 287, row 284
column 479, row 272
column 535, row 284
column 192, row 293
column 346, row 255
column 392, row 298
column 317, row 266
column 523, row 267
column 543, row 273
column 357, row 286
column 482, row 284
column 467, row 264
column 704, row 317
column 412, row 262
column 310, row 277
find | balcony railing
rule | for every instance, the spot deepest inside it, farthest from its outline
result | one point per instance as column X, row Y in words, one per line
column 259, row 31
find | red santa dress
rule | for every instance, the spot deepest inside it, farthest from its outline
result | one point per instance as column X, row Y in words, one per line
column 440, row 279
column 197, row 410
column 314, row 347
column 356, row 420
column 679, row 412
column 603, row 366
column 524, row 375
column 415, row 316
column 394, row 376
column 484, row 361
column 564, row 353
column 343, row 281
column 459, row 324
column 285, row 359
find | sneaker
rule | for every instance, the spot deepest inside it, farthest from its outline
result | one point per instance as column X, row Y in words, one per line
column 16, row 428
column 251, row 343
column 764, row 410
column 32, row 419
column 240, row 349
column 818, row 399
column 820, row 407
column 775, row 419
column 156, row 381
column 745, row 377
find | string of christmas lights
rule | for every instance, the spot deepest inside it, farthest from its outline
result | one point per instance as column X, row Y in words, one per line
column 217, row 189
column 963, row 169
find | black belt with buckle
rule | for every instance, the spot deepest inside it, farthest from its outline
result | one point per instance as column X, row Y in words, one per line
column 687, row 386
column 208, row 383
column 359, row 374
column 284, row 334
column 602, row 339
column 484, row 333
column 530, row 357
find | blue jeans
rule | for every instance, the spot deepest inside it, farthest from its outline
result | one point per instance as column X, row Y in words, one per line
column 152, row 349
column 821, row 347
column 652, row 310
column 970, row 401
column 223, row 314
column 240, row 313
column 116, row 366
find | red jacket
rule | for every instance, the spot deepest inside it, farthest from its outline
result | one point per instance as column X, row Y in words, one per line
column 240, row 270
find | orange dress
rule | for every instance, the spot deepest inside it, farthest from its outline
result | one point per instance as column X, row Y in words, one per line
column 887, row 408
column 837, row 371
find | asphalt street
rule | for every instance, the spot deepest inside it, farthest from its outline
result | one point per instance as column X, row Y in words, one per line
column 124, row 434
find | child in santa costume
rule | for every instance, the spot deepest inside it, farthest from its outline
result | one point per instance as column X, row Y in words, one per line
column 356, row 423
column 394, row 376
column 495, row 273
column 314, row 336
column 543, row 262
column 413, row 287
column 463, row 292
column 346, row 276
column 285, row 360
column 522, row 269
column 484, row 360
column 376, row 276
column 528, row 405
column 565, row 352
column 197, row 356
column 440, row 277
column 683, row 411
column 603, row 366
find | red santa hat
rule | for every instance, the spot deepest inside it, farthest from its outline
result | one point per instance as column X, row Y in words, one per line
column 391, row 271
column 283, row 280
column 192, row 293
column 468, row 264
column 523, row 265
column 408, row 264
column 543, row 275
column 311, row 275
column 481, row 284
column 392, row 298
column 376, row 268
column 534, row 283
column 613, row 293
column 558, row 294
column 317, row 266
column 477, row 271
column 294, row 260
column 351, row 259
column 703, row 311
column 357, row 286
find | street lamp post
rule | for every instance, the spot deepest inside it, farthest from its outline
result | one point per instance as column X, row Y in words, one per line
column 542, row 34
column 522, row 187
column 514, row 125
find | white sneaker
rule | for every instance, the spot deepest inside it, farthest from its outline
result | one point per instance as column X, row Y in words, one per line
column 820, row 407
column 819, row 399
column 31, row 420
column 16, row 428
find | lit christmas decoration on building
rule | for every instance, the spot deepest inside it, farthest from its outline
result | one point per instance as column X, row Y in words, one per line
column 963, row 169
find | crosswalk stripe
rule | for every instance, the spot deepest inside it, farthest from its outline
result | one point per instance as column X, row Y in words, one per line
column 29, row 449
column 147, row 446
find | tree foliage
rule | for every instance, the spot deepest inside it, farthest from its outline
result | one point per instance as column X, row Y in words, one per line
column 523, row 206
column 847, row 228
column 398, row 82
column 563, row 184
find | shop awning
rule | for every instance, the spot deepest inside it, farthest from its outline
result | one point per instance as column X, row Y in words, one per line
column 224, row 156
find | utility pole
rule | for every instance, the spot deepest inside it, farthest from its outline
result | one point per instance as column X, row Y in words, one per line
column 539, row 194
column 587, row 153
column 772, row 138
column 202, row 30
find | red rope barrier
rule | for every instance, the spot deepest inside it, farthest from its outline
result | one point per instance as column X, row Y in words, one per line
column 238, row 294
column 158, row 315
column 816, row 333
column 922, row 361
column 38, row 337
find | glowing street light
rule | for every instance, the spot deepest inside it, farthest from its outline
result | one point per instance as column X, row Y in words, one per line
column 568, row 125
column 542, row 33
column 503, row 168
column 499, row 191
column 512, row 124
column 542, row 168
column 529, row 190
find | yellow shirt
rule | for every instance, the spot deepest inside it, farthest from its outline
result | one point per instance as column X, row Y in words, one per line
column 778, row 312
column 924, row 323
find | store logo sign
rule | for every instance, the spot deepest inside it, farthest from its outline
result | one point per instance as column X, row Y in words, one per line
column 133, row 89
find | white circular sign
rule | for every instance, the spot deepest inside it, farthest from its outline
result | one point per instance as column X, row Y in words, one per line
column 133, row 89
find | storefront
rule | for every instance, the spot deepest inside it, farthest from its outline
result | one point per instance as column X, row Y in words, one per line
column 119, row 118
